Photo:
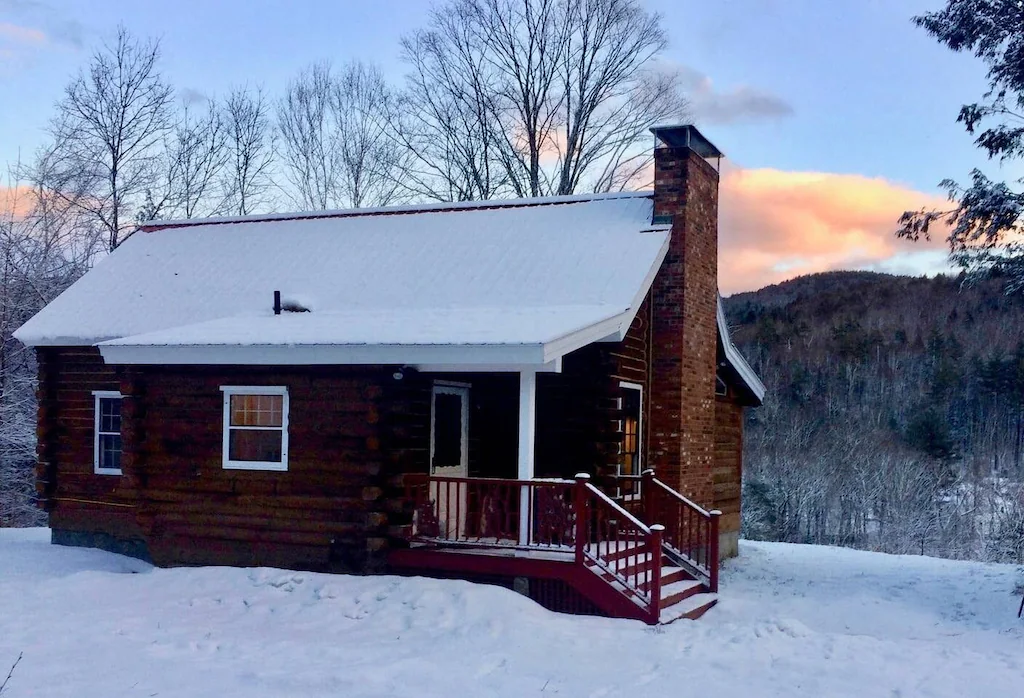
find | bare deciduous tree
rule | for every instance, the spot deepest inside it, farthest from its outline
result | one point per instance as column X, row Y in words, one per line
column 193, row 162
column 558, row 94
column 371, row 164
column 336, row 148
column 309, row 150
column 249, row 135
column 47, row 240
column 108, row 131
column 445, row 118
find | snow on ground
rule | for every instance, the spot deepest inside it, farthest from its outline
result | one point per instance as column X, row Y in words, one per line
column 793, row 621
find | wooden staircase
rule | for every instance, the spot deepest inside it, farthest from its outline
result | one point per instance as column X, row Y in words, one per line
column 656, row 561
column 682, row 595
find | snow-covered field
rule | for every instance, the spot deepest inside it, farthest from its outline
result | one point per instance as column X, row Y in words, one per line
column 793, row 621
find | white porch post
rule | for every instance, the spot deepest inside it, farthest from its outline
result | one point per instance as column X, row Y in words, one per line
column 527, row 442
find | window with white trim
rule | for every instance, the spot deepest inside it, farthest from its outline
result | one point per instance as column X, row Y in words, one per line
column 631, row 428
column 632, row 416
column 106, row 448
column 255, row 427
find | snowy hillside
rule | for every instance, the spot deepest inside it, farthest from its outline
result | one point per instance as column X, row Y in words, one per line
column 793, row 621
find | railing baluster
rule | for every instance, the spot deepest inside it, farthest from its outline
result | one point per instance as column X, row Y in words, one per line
column 460, row 489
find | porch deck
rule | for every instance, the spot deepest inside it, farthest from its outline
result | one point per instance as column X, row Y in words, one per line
column 656, row 561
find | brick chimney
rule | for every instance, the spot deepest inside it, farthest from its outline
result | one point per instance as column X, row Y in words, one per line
column 684, row 297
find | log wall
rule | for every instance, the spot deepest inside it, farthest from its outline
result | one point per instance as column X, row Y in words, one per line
column 83, row 506
column 728, row 470
column 327, row 511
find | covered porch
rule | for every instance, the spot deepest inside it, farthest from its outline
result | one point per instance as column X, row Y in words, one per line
column 652, row 556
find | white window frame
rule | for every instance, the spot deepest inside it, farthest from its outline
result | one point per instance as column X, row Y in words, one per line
column 462, row 390
column 98, row 395
column 721, row 387
column 639, row 434
column 228, row 391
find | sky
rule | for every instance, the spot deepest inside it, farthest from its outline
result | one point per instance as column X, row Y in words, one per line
column 835, row 115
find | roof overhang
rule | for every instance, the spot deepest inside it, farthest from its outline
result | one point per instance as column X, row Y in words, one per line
column 538, row 356
column 735, row 358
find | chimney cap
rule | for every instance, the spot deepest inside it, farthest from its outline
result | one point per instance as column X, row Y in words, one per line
column 686, row 136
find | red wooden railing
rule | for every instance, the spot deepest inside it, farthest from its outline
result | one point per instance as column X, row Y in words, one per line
column 691, row 532
column 563, row 515
column 486, row 511
column 624, row 550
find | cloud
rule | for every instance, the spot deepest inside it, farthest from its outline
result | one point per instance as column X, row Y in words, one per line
column 191, row 97
column 55, row 26
column 21, row 35
column 742, row 103
column 775, row 225
column 15, row 201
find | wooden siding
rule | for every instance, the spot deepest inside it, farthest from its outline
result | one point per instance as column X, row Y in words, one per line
column 579, row 419
column 325, row 512
column 76, row 498
column 728, row 470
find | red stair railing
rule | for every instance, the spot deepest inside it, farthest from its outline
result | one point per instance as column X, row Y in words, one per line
column 619, row 547
column 691, row 532
column 565, row 515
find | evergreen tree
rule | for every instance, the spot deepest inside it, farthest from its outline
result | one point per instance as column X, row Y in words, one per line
column 987, row 218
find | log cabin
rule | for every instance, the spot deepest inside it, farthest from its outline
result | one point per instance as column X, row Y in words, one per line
column 539, row 393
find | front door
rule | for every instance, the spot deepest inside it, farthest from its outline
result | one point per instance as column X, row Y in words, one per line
column 449, row 455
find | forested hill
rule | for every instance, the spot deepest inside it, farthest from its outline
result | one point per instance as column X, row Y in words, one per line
column 847, row 314
column 895, row 413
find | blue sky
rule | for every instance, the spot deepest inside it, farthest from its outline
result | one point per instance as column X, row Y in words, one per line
column 844, row 88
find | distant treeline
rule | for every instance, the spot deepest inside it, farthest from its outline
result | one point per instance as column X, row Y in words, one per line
column 895, row 414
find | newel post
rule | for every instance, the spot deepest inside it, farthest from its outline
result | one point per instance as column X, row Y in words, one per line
column 582, row 500
column 657, row 532
column 647, row 496
column 713, row 556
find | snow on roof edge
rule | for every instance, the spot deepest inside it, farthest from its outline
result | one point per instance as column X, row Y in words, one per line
column 445, row 206
column 735, row 358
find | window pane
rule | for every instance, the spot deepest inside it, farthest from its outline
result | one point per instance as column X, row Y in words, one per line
column 110, row 451
column 110, row 414
column 447, row 430
column 257, row 410
column 630, row 460
column 260, row 445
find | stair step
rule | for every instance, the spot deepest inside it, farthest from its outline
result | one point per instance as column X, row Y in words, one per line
column 624, row 550
column 690, row 609
column 670, row 575
column 679, row 591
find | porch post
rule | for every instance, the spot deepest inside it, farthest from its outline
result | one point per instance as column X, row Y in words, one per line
column 527, row 443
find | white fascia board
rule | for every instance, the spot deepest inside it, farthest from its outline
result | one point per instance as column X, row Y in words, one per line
column 549, row 367
column 735, row 358
column 557, row 348
column 307, row 355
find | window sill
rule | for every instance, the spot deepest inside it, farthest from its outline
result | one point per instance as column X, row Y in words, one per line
column 106, row 471
column 256, row 465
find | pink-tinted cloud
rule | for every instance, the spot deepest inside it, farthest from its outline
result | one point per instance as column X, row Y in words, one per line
column 15, row 201
column 21, row 35
column 775, row 225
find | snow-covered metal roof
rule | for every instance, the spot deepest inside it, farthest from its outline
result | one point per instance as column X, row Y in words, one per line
column 495, row 282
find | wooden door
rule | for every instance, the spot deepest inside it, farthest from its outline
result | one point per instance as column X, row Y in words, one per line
column 449, row 455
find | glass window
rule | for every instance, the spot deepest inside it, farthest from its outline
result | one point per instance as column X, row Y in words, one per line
column 629, row 463
column 447, row 429
column 256, row 428
column 107, row 439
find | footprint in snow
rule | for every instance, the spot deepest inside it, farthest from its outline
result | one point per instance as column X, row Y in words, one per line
column 492, row 664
